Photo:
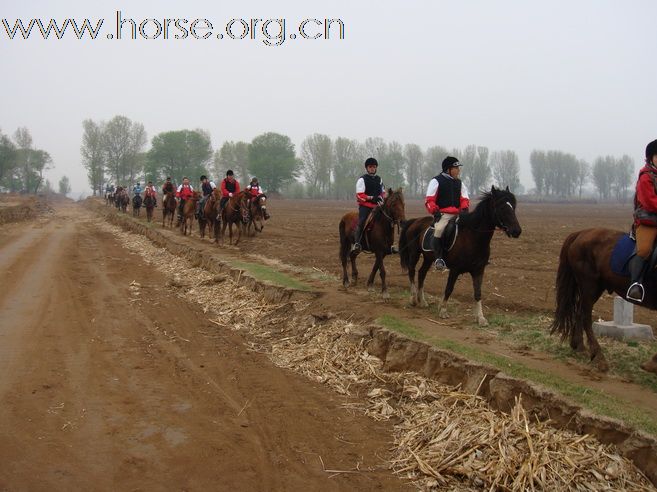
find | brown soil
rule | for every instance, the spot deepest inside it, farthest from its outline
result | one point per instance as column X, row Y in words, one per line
column 100, row 392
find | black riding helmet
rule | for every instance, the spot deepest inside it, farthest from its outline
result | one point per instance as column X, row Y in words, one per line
column 371, row 161
column 651, row 149
column 203, row 176
column 450, row 162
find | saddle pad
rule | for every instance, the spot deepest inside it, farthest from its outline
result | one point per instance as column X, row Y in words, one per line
column 621, row 254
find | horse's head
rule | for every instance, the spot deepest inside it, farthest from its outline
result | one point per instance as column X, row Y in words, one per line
column 504, row 211
column 393, row 206
column 260, row 202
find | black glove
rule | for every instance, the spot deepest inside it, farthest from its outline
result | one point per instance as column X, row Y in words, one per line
column 437, row 216
column 379, row 200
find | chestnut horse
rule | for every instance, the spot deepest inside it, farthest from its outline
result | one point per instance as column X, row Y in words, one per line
column 257, row 213
column 584, row 274
column 236, row 212
column 121, row 199
column 169, row 205
column 189, row 209
column 470, row 252
column 378, row 239
column 149, row 204
column 211, row 215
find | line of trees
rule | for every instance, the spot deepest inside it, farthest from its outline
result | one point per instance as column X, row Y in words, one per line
column 22, row 165
column 113, row 152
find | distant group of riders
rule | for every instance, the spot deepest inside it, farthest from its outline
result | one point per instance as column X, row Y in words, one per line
column 251, row 198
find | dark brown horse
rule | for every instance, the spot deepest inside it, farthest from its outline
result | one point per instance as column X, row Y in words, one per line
column 211, row 215
column 188, row 211
column 584, row 274
column 257, row 213
column 121, row 199
column 470, row 252
column 149, row 204
column 235, row 212
column 136, row 205
column 169, row 205
column 378, row 239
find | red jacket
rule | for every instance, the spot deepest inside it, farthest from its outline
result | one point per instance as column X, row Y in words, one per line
column 185, row 192
column 646, row 197
column 224, row 190
column 254, row 189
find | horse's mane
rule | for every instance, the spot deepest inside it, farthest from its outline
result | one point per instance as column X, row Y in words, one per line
column 482, row 213
column 378, row 211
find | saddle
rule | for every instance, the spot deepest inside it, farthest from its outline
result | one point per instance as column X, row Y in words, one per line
column 450, row 234
column 623, row 252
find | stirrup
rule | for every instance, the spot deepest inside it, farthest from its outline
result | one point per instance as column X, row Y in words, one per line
column 394, row 250
column 356, row 247
column 633, row 298
column 439, row 264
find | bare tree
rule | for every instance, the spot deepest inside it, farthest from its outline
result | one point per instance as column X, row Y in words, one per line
column 93, row 154
column 317, row 157
column 583, row 171
column 506, row 170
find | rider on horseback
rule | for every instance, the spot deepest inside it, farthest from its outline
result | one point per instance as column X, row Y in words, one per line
column 446, row 196
column 151, row 191
column 168, row 187
column 645, row 222
column 137, row 189
column 206, row 187
column 184, row 192
column 229, row 188
column 370, row 192
column 255, row 190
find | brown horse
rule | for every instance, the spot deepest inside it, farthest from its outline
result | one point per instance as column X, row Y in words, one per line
column 136, row 205
column 584, row 274
column 378, row 239
column 149, row 204
column 189, row 209
column 121, row 199
column 257, row 213
column 235, row 212
column 168, row 208
column 211, row 215
column 470, row 252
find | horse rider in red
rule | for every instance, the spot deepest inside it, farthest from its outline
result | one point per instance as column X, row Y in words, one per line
column 184, row 193
column 446, row 196
column 370, row 193
column 645, row 222
column 255, row 190
column 151, row 191
column 229, row 188
column 207, row 187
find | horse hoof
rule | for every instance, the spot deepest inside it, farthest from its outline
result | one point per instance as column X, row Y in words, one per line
column 600, row 362
column 345, row 284
column 424, row 304
column 443, row 314
column 412, row 301
column 385, row 296
column 482, row 321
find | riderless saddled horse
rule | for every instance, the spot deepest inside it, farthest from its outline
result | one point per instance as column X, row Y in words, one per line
column 585, row 271
column 378, row 237
column 467, row 253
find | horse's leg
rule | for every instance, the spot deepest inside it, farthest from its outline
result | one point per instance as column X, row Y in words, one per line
column 421, row 276
column 477, row 280
column 375, row 268
column 411, row 279
column 382, row 274
column 585, row 321
column 344, row 252
column 449, row 288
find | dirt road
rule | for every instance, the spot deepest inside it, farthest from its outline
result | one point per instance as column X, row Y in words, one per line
column 100, row 392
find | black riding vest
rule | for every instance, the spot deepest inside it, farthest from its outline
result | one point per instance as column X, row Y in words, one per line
column 207, row 188
column 449, row 192
column 230, row 186
column 373, row 185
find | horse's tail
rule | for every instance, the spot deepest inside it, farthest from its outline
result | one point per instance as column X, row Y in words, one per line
column 404, row 249
column 568, row 294
column 344, row 246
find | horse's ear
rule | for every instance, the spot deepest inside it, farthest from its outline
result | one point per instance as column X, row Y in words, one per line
column 507, row 188
column 492, row 188
column 389, row 191
column 399, row 190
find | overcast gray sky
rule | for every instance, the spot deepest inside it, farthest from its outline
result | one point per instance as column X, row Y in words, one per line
column 575, row 76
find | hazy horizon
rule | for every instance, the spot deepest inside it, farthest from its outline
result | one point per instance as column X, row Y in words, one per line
column 506, row 75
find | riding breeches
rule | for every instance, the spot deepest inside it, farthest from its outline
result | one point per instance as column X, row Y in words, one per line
column 645, row 238
column 441, row 224
column 363, row 214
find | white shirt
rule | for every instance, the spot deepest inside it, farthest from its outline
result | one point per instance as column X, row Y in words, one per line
column 433, row 188
column 191, row 188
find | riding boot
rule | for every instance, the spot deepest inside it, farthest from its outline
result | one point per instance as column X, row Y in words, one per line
column 637, row 269
column 437, row 244
column 357, row 233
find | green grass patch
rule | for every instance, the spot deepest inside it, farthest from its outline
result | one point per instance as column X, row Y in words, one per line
column 598, row 402
column 269, row 274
